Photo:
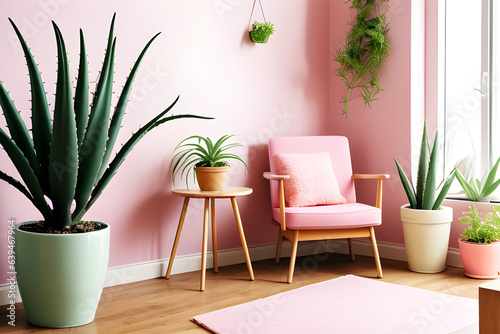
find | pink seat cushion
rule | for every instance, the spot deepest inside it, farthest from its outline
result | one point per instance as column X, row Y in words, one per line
column 349, row 215
column 312, row 179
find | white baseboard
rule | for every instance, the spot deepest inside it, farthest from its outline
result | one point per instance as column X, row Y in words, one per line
column 187, row 263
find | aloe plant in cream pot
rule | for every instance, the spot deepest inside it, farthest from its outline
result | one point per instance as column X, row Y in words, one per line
column 64, row 166
column 426, row 224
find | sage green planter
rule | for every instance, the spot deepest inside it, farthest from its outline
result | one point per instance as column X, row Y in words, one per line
column 61, row 276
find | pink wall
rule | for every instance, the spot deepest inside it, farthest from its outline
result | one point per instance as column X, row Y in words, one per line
column 382, row 133
column 204, row 54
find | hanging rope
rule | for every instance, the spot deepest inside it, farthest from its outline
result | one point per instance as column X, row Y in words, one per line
column 251, row 14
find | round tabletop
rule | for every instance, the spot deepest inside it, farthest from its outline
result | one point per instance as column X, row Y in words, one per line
column 226, row 193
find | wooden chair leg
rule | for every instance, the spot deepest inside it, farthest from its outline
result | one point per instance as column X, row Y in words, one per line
column 375, row 253
column 293, row 256
column 351, row 250
column 278, row 247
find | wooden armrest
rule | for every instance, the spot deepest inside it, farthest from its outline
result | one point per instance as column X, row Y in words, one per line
column 370, row 176
column 379, row 178
column 271, row 176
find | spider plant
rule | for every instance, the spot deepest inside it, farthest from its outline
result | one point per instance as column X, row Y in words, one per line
column 479, row 190
column 424, row 197
column 202, row 153
column 66, row 160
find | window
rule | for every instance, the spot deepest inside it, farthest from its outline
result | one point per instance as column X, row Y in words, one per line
column 471, row 118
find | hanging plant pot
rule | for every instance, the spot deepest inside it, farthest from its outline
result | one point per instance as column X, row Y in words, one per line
column 260, row 31
column 212, row 178
column 257, row 37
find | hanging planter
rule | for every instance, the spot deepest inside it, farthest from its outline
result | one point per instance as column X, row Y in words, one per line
column 260, row 31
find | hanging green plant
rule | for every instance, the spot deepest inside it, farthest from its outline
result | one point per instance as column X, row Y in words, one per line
column 365, row 50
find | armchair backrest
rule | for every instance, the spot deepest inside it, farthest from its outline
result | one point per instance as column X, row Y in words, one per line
column 336, row 146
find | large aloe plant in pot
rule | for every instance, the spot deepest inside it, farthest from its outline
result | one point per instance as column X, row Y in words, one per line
column 426, row 224
column 64, row 166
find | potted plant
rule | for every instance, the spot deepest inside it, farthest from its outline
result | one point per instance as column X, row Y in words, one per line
column 479, row 244
column 426, row 224
column 65, row 164
column 207, row 159
column 479, row 190
column 261, row 31
column 363, row 53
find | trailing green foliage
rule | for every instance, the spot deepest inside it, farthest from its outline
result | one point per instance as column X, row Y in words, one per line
column 363, row 53
column 481, row 230
column 261, row 31
column 204, row 153
column 424, row 197
column 475, row 189
column 66, row 159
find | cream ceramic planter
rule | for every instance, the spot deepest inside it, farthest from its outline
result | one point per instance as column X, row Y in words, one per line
column 480, row 260
column 61, row 276
column 212, row 178
column 427, row 234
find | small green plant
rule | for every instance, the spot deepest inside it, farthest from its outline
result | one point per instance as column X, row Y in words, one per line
column 68, row 159
column 261, row 31
column 479, row 190
column 424, row 197
column 363, row 53
column 203, row 153
column 481, row 230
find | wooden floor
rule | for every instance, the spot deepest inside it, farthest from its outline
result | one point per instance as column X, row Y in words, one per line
column 166, row 306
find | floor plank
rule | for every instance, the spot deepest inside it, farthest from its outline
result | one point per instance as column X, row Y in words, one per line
column 166, row 306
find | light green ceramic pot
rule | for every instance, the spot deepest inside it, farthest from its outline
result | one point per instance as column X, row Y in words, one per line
column 61, row 276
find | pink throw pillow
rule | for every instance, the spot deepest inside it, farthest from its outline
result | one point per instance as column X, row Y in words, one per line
column 312, row 179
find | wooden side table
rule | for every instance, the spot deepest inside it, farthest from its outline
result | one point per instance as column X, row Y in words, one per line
column 210, row 196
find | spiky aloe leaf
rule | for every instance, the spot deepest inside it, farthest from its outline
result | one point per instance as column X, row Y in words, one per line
column 40, row 116
column 124, row 151
column 121, row 106
column 444, row 191
column 22, row 165
column 18, row 130
column 468, row 190
column 96, row 135
column 423, row 166
column 82, row 93
column 489, row 185
column 430, row 181
column 408, row 187
column 63, row 157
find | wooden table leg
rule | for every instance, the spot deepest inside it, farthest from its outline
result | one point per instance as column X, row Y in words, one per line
column 242, row 237
column 177, row 237
column 214, row 236
column 204, row 246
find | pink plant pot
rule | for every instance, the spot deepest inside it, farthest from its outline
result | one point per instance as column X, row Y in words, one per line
column 480, row 260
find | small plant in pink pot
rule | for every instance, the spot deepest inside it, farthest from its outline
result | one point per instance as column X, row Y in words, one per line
column 479, row 243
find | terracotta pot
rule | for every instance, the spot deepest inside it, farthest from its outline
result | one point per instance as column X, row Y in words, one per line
column 212, row 178
column 426, row 233
column 480, row 260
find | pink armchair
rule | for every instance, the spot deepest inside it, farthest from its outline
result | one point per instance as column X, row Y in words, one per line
column 319, row 222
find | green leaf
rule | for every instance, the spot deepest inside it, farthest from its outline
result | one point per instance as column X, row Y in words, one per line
column 63, row 157
column 410, row 192
column 444, row 191
column 468, row 190
column 491, row 175
column 423, row 165
column 40, row 116
column 430, row 182
column 82, row 93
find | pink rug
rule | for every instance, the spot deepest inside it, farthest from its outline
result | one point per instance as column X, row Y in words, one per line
column 348, row 304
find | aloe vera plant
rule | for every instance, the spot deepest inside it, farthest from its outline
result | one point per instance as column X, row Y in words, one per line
column 479, row 190
column 424, row 196
column 203, row 153
column 67, row 159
